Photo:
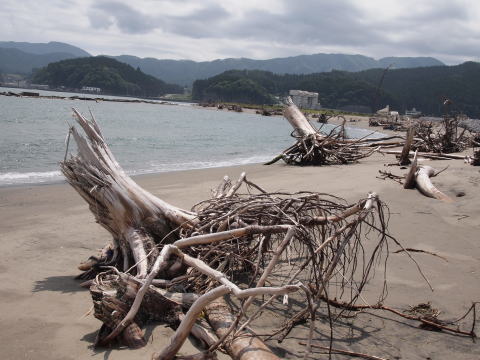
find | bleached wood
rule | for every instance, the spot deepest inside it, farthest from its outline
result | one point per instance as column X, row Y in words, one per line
column 404, row 156
column 425, row 185
column 160, row 264
column 201, row 303
column 187, row 323
column 409, row 182
column 425, row 154
column 298, row 121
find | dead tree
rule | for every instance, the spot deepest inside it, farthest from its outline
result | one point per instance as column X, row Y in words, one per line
column 170, row 265
column 314, row 148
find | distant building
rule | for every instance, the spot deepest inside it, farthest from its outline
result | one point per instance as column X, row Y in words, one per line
column 39, row 86
column 305, row 99
column 413, row 113
column 91, row 89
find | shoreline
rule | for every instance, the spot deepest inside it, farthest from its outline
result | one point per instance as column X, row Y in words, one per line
column 353, row 122
column 133, row 176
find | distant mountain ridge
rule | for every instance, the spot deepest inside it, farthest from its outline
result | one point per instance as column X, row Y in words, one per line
column 15, row 61
column 45, row 48
column 23, row 57
column 184, row 72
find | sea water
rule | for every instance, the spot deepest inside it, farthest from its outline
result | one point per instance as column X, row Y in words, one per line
column 145, row 138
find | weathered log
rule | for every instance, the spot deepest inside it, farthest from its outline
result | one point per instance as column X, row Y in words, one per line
column 113, row 296
column 434, row 156
column 410, row 177
column 299, row 122
column 424, row 184
column 419, row 177
column 245, row 346
column 404, row 157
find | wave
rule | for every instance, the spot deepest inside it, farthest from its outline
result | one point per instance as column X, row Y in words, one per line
column 11, row 178
column 159, row 168
column 18, row 178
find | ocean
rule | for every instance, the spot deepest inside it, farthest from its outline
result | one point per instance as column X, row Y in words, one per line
column 145, row 138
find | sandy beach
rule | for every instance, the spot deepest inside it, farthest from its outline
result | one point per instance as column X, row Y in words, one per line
column 46, row 231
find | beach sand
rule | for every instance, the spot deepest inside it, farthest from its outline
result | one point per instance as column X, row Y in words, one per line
column 46, row 231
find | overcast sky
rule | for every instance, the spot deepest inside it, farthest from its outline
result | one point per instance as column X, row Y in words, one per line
column 260, row 29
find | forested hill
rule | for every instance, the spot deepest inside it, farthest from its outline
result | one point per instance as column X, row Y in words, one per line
column 106, row 73
column 424, row 88
column 184, row 72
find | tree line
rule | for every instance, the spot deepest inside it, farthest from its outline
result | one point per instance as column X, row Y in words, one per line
column 424, row 88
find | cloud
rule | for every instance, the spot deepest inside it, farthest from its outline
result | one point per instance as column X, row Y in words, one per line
column 212, row 29
column 127, row 19
column 197, row 23
column 314, row 23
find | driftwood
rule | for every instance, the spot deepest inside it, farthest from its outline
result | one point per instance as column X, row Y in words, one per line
column 314, row 148
column 433, row 156
column 445, row 137
column 419, row 177
column 171, row 265
column 404, row 156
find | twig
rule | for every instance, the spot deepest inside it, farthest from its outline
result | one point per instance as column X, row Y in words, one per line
column 345, row 352
column 420, row 251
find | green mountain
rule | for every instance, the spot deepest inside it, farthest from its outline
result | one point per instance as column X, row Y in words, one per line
column 45, row 48
column 23, row 57
column 427, row 88
column 424, row 88
column 108, row 74
column 408, row 62
column 184, row 72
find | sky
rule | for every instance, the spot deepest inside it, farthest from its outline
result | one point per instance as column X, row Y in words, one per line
column 261, row 29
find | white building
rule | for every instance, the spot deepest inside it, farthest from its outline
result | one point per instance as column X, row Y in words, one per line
column 91, row 89
column 413, row 113
column 305, row 99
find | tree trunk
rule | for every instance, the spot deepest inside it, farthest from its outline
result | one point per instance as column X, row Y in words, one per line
column 245, row 346
column 404, row 160
column 136, row 219
column 298, row 121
